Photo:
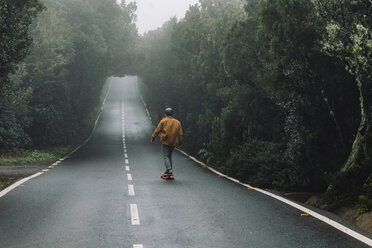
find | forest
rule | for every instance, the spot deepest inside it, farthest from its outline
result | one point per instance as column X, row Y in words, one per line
column 277, row 94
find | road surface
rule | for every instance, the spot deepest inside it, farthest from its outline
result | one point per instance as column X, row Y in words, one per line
column 109, row 194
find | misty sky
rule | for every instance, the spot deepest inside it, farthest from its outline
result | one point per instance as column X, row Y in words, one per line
column 151, row 14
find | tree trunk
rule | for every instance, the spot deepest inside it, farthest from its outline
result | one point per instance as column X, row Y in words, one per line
column 358, row 167
column 361, row 149
column 335, row 122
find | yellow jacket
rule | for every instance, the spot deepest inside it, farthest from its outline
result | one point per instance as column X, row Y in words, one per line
column 170, row 131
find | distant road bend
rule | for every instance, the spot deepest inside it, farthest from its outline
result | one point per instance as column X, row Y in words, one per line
column 109, row 194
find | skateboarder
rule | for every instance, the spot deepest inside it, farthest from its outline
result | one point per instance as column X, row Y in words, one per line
column 171, row 135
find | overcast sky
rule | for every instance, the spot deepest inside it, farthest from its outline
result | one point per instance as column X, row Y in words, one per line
column 151, row 14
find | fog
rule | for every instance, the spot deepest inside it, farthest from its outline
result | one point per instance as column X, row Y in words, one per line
column 151, row 14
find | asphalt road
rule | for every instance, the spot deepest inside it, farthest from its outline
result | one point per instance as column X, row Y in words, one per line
column 86, row 201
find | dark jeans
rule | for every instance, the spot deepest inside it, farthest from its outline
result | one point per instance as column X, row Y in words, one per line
column 167, row 153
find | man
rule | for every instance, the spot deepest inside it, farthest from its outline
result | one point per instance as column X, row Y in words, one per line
column 171, row 135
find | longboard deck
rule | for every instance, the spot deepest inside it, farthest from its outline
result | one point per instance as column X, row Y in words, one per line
column 167, row 177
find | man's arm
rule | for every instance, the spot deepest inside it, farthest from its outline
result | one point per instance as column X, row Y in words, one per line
column 158, row 129
column 180, row 136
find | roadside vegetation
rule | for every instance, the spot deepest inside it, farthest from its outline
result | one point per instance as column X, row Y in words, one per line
column 275, row 93
column 35, row 156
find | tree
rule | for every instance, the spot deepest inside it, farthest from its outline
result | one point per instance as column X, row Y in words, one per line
column 15, row 19
column 348, row 37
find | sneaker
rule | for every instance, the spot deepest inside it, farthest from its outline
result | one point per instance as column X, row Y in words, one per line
column 168, row 173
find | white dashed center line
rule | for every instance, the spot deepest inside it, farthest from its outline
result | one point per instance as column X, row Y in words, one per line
column 134, row 214
column 133, row 207
column 131, row 189
column 129, row 176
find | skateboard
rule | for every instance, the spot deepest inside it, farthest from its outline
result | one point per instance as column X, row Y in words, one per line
column 167, row 177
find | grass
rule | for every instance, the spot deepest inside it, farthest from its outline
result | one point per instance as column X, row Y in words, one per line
column 35, row 156
column 4, row 182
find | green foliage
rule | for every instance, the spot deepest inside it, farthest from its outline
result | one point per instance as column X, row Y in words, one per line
column 259, row 163
column 365, row 204
column 348, row 37
column 15, row 20
column 207, row 156
column 12, row 136
column 35, row 156
column 53, row 96
column 365, row 201
column 4, row 182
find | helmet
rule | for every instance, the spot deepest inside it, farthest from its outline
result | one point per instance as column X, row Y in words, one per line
column 169, row 111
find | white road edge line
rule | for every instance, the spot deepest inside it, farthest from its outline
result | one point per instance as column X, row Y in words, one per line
column 127, row 161
column 127, row 168
column 138, row 246
column 316, row 215
column 20, row 182
column 134, row 214
column 131, row 189
column 129, row 177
